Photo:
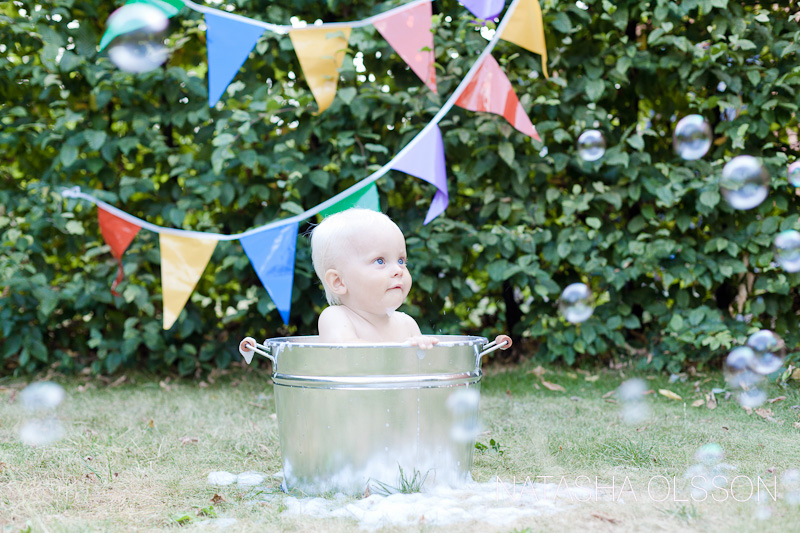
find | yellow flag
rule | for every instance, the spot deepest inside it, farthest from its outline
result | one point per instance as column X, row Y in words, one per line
column 183, row 260
column 526, row 29
column 321, row 53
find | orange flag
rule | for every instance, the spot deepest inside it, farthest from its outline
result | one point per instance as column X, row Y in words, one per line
column 183, row 260
column 321, row 53
column 118, row 234
column 526, row 29
column 489, row 90
column 409, row 32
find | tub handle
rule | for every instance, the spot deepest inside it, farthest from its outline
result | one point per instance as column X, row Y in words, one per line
column 249, row 346
column 502, row 342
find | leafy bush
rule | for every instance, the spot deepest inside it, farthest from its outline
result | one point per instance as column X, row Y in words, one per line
column 679, row 275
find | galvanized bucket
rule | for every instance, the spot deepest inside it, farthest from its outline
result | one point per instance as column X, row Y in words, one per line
column 361, row 414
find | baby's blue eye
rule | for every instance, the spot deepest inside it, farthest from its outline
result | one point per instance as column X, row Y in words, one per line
column 380, row 261
column 401, row 261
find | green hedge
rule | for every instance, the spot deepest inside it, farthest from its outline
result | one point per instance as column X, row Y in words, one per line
column 679, row 276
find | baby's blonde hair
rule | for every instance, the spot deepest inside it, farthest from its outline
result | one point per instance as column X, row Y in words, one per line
column 328, row 236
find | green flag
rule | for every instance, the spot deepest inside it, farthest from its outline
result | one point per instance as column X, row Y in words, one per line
column 366, row 198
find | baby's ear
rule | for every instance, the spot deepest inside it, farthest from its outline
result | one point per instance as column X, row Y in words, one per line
column 335, row 282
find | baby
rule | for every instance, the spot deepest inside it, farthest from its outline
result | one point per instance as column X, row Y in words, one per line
column 360, row 257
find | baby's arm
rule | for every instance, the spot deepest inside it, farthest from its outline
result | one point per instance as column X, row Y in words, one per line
column 335, row 326
column 415, row 336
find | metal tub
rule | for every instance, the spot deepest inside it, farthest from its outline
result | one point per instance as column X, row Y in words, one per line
column 357, row 414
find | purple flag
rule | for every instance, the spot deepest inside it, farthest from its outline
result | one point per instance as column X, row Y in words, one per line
column 484, row 9
column 425, row 160
column 229, row 42
column 272, row 254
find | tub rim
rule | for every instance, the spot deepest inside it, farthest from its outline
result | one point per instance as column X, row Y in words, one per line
column 445, row 341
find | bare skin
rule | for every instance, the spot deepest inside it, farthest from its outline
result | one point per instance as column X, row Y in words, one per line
column 371, row 279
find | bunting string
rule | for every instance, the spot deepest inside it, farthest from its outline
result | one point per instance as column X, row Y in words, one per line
column 271, row 248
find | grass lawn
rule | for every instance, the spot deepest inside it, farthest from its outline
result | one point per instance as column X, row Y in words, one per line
column 136, row 455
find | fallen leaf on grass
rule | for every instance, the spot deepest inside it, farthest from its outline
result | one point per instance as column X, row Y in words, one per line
column 609, row 393
column 669, row 394
column 119, row 381
column 610, row 400
column 711, row 401
column 605, row 518
column 538, row 371
column 553, row 386
column 698, row 403
column 779, row 398
column 796, row 373
column 189, row 440
column 591, row 379
column 216, row 498
column 797, row 425
column 726, row 428
column 766, row 414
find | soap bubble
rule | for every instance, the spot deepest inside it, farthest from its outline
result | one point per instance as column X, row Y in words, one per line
column 737, row 369
column 692, row 137
column 767, row 348
column 41, row 396
column 631, row 396
column 752, row 397
column 744, row 182
column 139, row 45
column 791, row 486
column 710, row 454
column 41, row 432
column 787, row 250
column 576, row 303
column 794, row 174
column 591, row 145
column 463, row 404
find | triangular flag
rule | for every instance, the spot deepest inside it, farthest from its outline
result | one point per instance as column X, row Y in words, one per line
column 366, row 198
column 484, row 9
column 526, row 29
column 321, row 53
column 272, row 254
column 489, row 90
column 409, row 33
column 169, row 7
column 118, row 234
column 229, row 43
column 425, row 160
column 183, row 260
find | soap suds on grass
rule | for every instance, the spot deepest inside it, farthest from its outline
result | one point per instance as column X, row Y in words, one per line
column 441, row 506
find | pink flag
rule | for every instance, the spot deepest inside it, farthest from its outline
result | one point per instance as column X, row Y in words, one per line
column 425, row 160
column 408, row 31
column 489, row 90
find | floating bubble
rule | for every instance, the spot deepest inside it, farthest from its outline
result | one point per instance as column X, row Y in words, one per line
column 631, row 394
column 591, row 145
column 692, row 137
column 752, row 397
column 139, row 44
column 787, row 250
column 767, row 348
column 41, row 396
column 41, row 432
column 737, row 369
column 576, row 303
column 794, row 174
column 632, row 390
column 710, row 454
column 744, row 183
column 463, row 404
column 791, row 486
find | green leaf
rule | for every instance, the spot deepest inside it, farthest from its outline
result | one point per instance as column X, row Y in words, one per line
column 506, row 152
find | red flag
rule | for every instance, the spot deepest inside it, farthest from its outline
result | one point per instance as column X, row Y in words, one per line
column 118, row 234
column 489, row 90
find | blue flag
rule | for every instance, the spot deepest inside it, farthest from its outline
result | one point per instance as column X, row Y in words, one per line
column 272, row 254
column 229, row 42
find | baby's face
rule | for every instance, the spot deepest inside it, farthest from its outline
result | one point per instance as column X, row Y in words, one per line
column 373, row 267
